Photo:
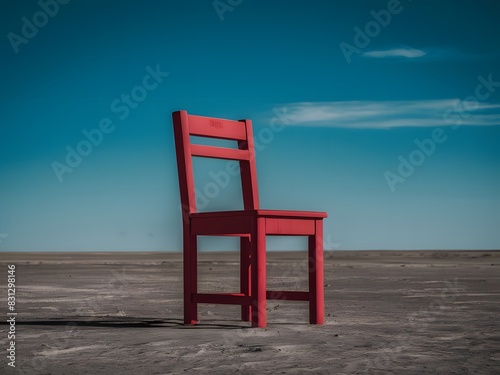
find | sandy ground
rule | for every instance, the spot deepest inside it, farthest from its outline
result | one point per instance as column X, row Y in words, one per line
column 386, row 313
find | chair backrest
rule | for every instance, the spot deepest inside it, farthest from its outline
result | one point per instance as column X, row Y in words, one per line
column 186, row 125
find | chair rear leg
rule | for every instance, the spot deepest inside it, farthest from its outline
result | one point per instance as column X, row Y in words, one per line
column 316, row 278
column 190, row 278
column 245, row 276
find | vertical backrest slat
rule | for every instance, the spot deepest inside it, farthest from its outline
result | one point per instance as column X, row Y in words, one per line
column 248, row 170
column 241, row 131
column 184, row 164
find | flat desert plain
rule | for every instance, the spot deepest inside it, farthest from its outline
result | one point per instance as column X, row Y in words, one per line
column 387, row 312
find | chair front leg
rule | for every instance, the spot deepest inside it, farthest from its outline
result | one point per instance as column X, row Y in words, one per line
column 245, row 276
column 316, row 275
column 190, row 258
column 258, row 271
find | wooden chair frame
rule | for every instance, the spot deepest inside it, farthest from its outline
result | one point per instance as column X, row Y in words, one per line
column 251, row 224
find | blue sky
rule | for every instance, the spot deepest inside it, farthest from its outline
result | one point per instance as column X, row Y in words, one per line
column 384, row 114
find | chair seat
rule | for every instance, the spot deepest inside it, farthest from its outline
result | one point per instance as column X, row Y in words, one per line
column 240, row 223
column 263, row 213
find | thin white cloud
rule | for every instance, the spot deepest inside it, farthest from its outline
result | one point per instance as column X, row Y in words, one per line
column 409, row 53
column 392, row 114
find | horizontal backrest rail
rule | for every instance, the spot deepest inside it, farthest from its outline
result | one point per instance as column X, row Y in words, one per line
column 219, row 152
column 217, row 128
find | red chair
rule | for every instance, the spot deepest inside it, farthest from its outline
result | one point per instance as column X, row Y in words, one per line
column 251, row 224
